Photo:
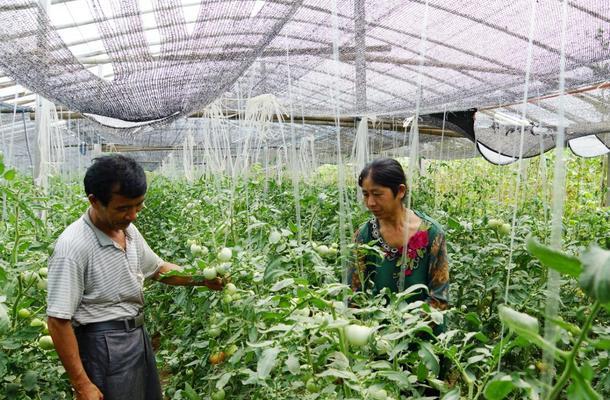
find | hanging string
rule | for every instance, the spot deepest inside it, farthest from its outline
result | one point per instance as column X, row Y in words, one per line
column 414, row 139
column 9, row 159
column 293, row 164
column 436, row 194
column 340, row 167
column 509, row 266
column 559, row 193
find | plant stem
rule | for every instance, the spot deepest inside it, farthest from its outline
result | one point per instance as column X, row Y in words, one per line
column 492, row 366
column 14, row 263
column 313, row 218
column 342, row 346
column 565, row 375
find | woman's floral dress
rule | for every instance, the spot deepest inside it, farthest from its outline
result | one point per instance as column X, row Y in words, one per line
column 425, row 262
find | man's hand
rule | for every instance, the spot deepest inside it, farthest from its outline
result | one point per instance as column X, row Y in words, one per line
column 88, row 392
column 214, row 284
column 66, row 346
column 178, row 280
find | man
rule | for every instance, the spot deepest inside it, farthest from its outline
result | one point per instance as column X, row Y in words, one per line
column 95, row 289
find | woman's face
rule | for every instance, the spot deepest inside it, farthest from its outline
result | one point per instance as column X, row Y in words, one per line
column 380, row 200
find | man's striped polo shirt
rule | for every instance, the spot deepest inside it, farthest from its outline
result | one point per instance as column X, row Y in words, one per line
column 92, row 279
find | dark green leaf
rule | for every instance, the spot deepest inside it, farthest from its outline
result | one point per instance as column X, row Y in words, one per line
column 427, row 355
column 595, row 279
column 274, row 270
column 9, row 175
column 453, row 223
column 30, row 381
column 498, row 389
column 554, row 259
column 190, row 393
column 587, row 371
column 452, row 395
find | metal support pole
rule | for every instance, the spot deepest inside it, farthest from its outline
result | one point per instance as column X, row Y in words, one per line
column 608, row 180
column 360, row 60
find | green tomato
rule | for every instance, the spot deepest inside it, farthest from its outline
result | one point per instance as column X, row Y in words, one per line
column 275, row 237
column 227, row 299
column 322, row 250
column 209, row 273
column 358, row 335
column 215, row 317
column 24, row 313
column 494, row 223
column 42, row 284
column 504, row 229
column 312, row 386
column 383, row 347
column 195, row 249
column 43, row 271
column 29, row 276
column 46, row 343
column 214, row 331
column 225, row 254
column 37, row 323
column 223, row 268
column 218, row 395
column 230, row 289
column 231, row 350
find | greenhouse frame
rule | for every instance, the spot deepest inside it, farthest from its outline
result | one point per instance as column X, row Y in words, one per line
column 253, row 121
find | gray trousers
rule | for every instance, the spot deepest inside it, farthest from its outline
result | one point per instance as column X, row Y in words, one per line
column 120, row 363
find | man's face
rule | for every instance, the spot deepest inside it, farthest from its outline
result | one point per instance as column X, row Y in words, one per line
column 120, row 211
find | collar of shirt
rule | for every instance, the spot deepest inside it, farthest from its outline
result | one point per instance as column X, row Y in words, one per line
column 102, row 238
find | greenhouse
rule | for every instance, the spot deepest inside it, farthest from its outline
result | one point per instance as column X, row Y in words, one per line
column 334, row 199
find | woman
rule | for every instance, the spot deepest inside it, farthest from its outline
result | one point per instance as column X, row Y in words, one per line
column 384, row 189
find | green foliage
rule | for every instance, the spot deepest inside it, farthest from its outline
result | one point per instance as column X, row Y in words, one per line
column 280, row 332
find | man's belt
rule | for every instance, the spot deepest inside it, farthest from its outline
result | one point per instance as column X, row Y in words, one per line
column 126, row 325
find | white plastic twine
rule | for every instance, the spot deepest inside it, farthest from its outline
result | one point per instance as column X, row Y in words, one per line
column 552, row 305
column 340, row 166
column 9, row 158
column 414, row 137
column 436, row 197
column 187, row 156
column 509, row 266
column 294, row 164
column 360, row 148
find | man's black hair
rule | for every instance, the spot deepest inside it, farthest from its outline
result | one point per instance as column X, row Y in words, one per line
column 385, row 172
column 115, row 174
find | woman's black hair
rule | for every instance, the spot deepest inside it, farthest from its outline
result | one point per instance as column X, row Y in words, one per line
column 115, row 174
column 385, row 172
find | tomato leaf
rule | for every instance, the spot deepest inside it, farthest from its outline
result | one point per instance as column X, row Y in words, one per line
column 499, row 388
column 282, row 284
column 595, row 280
column 428, row 357
column 190, row 393
column 266, row 362
column 554, row 259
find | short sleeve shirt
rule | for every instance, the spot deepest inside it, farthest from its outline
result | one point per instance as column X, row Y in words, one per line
column 92, row 279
